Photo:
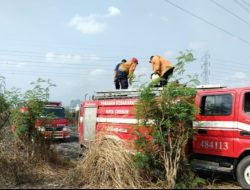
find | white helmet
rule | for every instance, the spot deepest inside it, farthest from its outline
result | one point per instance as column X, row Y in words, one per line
column 154, row 76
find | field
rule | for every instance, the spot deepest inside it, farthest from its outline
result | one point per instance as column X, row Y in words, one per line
column 54, row 176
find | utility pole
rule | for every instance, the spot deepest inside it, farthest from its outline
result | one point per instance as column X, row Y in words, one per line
column 205, row 68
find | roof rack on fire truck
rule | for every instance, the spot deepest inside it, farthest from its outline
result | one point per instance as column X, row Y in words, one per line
column 133, row 93
column 210, row 86
column 124, row 93
column 53, row 103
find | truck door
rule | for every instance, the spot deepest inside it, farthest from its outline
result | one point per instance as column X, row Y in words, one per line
column 242, row 141
column 89, row 122
column 215, row 123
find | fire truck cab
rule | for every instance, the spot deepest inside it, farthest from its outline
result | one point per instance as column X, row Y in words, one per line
column 222, row 139
column 58, row 127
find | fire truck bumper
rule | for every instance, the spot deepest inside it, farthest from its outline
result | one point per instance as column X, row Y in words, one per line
column 56, row 135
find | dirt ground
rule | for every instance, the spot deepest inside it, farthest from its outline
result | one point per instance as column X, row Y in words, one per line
column 221, row 181
column 70, row 150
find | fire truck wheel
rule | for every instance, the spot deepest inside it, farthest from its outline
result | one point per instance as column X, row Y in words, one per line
column 243, row 173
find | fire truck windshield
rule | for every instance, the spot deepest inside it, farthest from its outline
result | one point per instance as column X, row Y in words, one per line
column 57, row 112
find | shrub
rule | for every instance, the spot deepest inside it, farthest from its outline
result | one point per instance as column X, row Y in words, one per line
column 167, row 121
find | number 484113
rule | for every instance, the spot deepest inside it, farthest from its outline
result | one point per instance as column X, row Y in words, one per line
column 214, row 145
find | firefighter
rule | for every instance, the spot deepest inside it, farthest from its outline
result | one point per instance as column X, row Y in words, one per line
column 116, row 81
column 125, row 73
column 161, row 67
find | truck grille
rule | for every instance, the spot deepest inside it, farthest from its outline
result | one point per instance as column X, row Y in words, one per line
column 54, row 128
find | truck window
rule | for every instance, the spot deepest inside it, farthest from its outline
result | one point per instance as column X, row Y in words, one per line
column 216, row 105
column 57, row 112
column 247, row 103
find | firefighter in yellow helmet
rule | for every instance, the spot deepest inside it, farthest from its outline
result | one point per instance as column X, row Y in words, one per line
column 125, row 72
column 161, row 67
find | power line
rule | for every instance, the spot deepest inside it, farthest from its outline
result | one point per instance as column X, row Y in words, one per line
column 57, row 55
column 246, row 9
column 58, row 64
column 85, row 67
column 245, row 2
column 208, row 22
column 54, row 67
column 49, row 73
column 36, row 74
column 71, row 63
column 65, row 57
column 91, row 67
column 75, row 63
column 69, row 46
column 233, row 66
column 46, row 72
column 230, row 12
column 62, row 64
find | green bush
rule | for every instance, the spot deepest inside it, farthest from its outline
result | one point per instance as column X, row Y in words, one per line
column 24, row 121
column 166, row 120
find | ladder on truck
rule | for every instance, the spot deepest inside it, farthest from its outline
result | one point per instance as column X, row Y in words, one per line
column 134, row 93
column 210, row 86
column 124, row 93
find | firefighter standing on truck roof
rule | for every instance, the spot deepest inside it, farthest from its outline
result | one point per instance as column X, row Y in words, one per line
column 125, row 72
column 161, row 67
column 116, row 81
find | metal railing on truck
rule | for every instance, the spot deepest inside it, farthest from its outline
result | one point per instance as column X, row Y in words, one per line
column 135, row 93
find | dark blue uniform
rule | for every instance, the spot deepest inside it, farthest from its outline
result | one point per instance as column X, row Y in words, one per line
column 117, row 84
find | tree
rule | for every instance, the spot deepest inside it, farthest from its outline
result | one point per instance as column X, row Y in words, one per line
column 26, row 109
column 165, row 125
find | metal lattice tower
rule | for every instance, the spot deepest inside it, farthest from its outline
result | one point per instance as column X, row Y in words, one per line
column 205, row 68
column 2, row 84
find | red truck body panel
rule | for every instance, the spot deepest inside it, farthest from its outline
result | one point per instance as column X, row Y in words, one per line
column 115, row 117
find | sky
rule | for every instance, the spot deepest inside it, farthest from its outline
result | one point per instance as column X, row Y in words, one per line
column 77, row 43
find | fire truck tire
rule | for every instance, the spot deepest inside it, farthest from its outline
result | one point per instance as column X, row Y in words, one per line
column 243, row 173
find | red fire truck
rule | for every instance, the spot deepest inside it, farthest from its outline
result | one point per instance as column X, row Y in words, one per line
column 222, row 141
column 58, row 127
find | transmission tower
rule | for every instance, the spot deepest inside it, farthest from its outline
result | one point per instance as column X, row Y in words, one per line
column 2, row 84
column 205, row 68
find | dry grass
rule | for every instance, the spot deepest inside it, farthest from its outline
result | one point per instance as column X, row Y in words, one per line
column 107, row 164
column 21, row 168
column 11, row 163
column 11, row 171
